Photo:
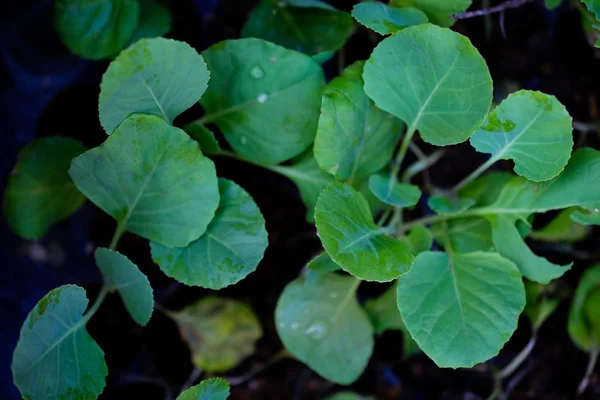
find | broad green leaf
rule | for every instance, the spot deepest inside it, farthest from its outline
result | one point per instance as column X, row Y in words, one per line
column 466, row 234
column 153, row 179
column 419, row 239
column 439, row 12
column 542, row 301
column 486, row 189
column 561, row 229
column 161, row 77
column 95, row 29
column 552, row 4
column 593, row 6
column 309, row 178
column 434, row 80
column 220, row 332
column 229, row 250
column 461, row 308
column 579, row 326
column 208, row 389
column 322, row 58
column 311, row 27
column 353, row 241
column 348, row 396
column 40, row 192
column 124, row 276
column 354, row 137
column 591, row 217
column 385, row 316
column 391, row 192
column 205, row 138
column 322, row 262
column 264, row 98
column 55, row 357
column 446, row 206
column 531, row 128
column 155, row 20
column 321, row 323
column 386, row 20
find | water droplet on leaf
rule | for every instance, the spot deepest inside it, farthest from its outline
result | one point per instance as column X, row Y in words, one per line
column 262, row 98
column 244, row 139
column 317, row 330
column 257, row 72
column 294, row 325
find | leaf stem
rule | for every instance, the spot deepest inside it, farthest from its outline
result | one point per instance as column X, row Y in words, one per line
column 97, row 303
column 588, row 372
column 402, row 152
column 474, row 175
column 497, row 392
column 492, row 10
column 236, row 380
column 519, row 359
column 116, row 236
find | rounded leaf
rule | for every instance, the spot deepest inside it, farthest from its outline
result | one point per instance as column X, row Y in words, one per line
column 321, row 323
column 55, row 357
column 438, row 11
column 153, row 179
column 40, row 191
column 159, row 76
column 230, row 249
column 155, row 20
column 384, row 19
column 393, row 193
column 461, row 308
column 434, row 80
column 95, row 29
column 124, row 276
column 353, row 241
column 531, row 128
column 264, row 98
column 208, row 389
column 581, row 328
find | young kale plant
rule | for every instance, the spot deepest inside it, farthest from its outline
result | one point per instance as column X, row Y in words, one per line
column 458, row 270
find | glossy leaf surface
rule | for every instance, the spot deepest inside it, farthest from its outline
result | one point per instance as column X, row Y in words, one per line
column 386, row 20
column 391, row 192
column 439, row 12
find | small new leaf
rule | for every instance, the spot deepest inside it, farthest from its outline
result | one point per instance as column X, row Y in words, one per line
column 391, row 192
column 40, row 191
column 153, row 179
column 320, row 322
column 229, row 250
column 132, row 285
column 354, row 242
column 446, row 206
column 55, row 357
column 583, row 330
column 439, row 12
column 161, row 77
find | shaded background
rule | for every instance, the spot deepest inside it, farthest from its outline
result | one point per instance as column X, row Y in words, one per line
column 46, row 91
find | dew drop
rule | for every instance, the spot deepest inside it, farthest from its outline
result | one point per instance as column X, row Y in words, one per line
column 272, row 59
column 262, row 98
column 282, row 4
column 294, row 325
column 317, row 330
column 596, row 210
column 333, row 295
column 281, row 325
column 244, row 139
column 257, row 72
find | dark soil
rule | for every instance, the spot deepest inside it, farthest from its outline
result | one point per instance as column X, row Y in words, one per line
column 45, row 91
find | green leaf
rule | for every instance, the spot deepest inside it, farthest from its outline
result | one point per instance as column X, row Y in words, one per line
column 354, row 137
column 348, row 396
column 95, row 29
column 593, row 6
column 271, row 114
column 220, row 332
column 309, row 178
column 446, row 206
column 311, row 27
column 385, row 316
column 205, row 138
column 542, row 301
column 153, row 179
column 561, row 229
column 155, row 20
column 55, row 357
column 322, row 263
column 386, row 20
column 40, row 192
column 351, row 238
column 208, row 389
column 461, row 308
column 161, row 77
column 552, row 4
column 434, row 80
column 531, row 128
column 419, row 239
column 124, row 276
column 391, row 192
column 439, row 12
column 229, row 250
column 486, row 189
column 466, row 234
column 321, row 323
column 581, row 329
column 587, row 218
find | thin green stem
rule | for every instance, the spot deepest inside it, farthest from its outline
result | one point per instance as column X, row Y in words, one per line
column 94, row 308
column 384, row 217
column 475, row 174
column 116, row 236
column 519, row 359
column 432, row 219
column 497, row 393
column 236, row 380
column 588, row 372
column 402, row 152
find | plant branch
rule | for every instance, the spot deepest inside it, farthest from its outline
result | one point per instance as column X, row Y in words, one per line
column 519, row 359
column 588, row 372
column 117, row 236
column 236, row 380
column 474, row 175
column 492, row 10
column 97, row 303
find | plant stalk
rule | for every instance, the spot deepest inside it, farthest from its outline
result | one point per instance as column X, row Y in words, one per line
column 519, row 359
column 97, row 303
column 588, row 372
column 492, row 10
column 474, row 175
